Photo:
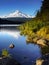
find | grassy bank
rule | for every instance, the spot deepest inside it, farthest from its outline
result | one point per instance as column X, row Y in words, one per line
column 37, row 29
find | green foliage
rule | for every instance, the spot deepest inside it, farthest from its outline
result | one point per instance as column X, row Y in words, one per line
column 5, row 53
column 44, row 32
column 33, row 26
column 45, row 50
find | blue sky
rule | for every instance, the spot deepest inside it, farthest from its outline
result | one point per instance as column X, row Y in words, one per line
column 26, row 6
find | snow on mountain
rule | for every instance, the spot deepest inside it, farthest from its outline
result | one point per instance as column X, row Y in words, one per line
column 17, row 13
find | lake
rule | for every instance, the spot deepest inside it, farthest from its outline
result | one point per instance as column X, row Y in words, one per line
column 24, row 53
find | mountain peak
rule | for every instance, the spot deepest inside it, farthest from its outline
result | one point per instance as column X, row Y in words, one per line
column 18, row 13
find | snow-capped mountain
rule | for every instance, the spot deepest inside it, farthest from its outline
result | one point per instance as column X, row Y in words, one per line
column 16, row 17
column 17, row 13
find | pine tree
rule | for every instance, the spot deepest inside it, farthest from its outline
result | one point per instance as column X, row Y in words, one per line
column 44, row 11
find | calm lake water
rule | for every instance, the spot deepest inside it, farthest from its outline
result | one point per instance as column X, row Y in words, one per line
column 24, row 53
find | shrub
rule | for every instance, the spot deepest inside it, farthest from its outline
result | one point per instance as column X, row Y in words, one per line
column 5, row 53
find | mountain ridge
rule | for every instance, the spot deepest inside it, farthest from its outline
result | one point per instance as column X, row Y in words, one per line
column 17, row 13
column 16, row 17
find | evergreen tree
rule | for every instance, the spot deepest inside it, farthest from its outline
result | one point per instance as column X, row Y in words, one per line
column 44, row 11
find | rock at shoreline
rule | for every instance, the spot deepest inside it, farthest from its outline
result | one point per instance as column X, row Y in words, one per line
column 39, row 62
column 41, row 42
column 29, row 40
column 37, row 40
column 11, row 46
column 43, row 61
